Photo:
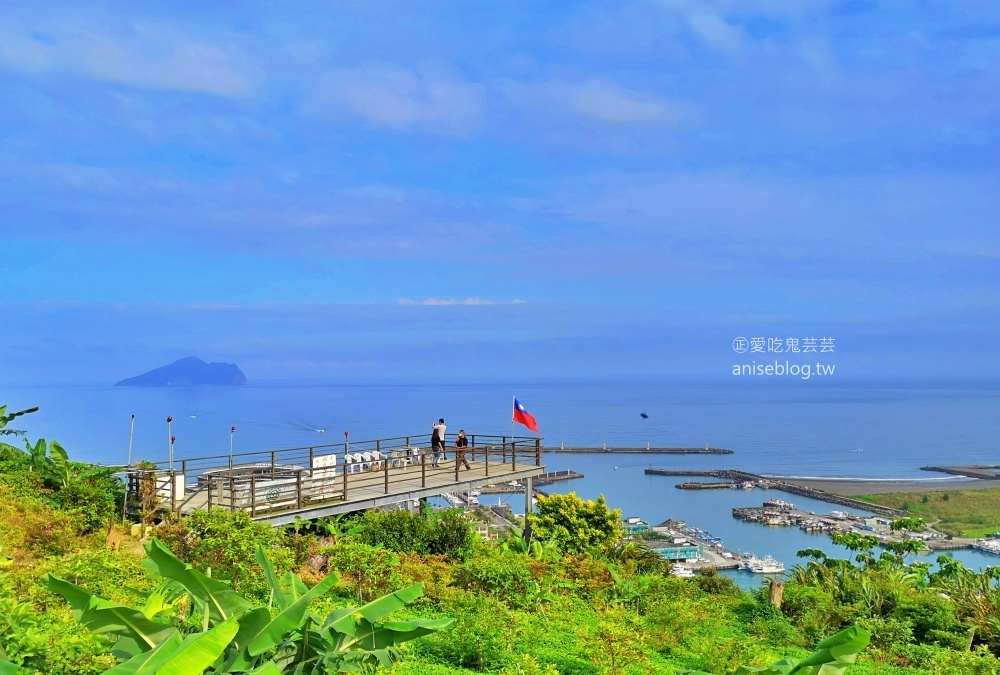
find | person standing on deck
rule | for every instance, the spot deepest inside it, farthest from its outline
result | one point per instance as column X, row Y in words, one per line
column 461, row 443
column 437, row 441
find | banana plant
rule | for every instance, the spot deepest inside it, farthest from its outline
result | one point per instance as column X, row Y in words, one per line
column 832, row 657
column 235, row 636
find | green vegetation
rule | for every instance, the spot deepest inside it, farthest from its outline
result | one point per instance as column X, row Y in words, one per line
column 420, row 594
column 960, row 513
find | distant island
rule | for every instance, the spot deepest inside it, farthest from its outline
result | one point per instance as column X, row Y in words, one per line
column 186, row 372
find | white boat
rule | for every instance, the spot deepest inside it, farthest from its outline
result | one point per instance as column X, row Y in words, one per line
column 765, row 565
column 682, row 572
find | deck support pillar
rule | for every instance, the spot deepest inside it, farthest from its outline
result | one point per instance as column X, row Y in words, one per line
column 528, row 494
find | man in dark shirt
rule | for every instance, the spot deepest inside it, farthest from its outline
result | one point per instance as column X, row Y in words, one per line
column 461, row 443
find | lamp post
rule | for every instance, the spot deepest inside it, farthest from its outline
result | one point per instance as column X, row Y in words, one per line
column 170, row 445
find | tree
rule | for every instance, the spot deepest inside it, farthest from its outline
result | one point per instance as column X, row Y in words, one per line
column 576, row 525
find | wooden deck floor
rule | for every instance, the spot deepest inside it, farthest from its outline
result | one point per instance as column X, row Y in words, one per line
column 365, row 490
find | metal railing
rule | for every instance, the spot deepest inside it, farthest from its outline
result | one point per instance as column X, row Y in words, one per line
column 296, row 478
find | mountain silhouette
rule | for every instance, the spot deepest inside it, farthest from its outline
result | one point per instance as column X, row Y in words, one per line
column 187, row 372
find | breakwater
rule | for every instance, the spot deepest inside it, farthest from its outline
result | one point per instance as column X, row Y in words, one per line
column 636, row 451
column 784, row 486
column 692, row 485
column 984, row 472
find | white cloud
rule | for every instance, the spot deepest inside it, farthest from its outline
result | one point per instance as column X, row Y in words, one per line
column 402, row 98
column 715, row 31
column 599, row 99
column 146, row 56
column 436, row 302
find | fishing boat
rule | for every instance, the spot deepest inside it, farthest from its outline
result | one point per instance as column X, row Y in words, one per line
column 765, row 565
column 682, row 571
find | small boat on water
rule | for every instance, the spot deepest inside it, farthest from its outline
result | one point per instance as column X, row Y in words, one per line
column 988, row 546
column 681, row 571
column 765, row 565
column 779, row 504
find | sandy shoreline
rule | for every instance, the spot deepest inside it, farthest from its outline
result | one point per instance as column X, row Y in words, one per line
column 852, row 488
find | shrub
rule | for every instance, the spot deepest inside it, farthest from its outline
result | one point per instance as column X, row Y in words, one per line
column 506, row 576
column 710, row 581
column 446, row 533
column 483, row 637
column 93, row 502
column 372, row 570
column 225, row 542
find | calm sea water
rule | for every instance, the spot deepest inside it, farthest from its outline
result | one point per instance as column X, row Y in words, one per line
column 877, row 430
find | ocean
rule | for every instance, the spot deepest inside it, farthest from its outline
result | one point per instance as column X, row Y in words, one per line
column 869, row 430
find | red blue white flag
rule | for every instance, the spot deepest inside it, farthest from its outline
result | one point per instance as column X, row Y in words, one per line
column 522, row 416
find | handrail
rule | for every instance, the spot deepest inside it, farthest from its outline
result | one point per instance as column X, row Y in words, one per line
column 363, row 444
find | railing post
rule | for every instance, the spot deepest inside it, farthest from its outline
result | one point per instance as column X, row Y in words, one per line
column 385, row 470
column 253, row 496
column 504, row 449
column 538, row 452
column 456, row 465
column 173, row 490
column 232, row 493
column 345, row 477
column 298, row 488
column 272, row 465
column 423, row 469
column 184, row 468
column 407, row 441
column 310, row 459
column 486, row 460
column 210, row 493
column 473, row 451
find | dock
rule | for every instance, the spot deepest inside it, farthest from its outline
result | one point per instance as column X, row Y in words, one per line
column 647, row 450
column 278, row 486
column 778, row 484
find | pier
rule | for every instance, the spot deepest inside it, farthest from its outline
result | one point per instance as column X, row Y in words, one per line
column 634, row 451
column 694, row 485
column 277, row 486
column 777, row 484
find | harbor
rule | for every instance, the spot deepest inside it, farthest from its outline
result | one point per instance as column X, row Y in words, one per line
column 691, row 549
column 736, row 478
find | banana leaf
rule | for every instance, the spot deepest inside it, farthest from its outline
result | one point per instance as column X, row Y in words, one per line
column 60, row 464
column 277, row 595
column 7, row 668
column 103, row 616
column 222, row 601
column 376, row 609
column 375, row 636
column 251, row 623
column 198, row 652
column 290, row 619
column 190, row 656
column 147, row 663
column 832, row 657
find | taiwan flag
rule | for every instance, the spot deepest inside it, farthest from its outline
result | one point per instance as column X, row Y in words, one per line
column 524, row 417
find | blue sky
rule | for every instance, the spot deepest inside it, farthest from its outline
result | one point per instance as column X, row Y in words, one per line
column 354, row 190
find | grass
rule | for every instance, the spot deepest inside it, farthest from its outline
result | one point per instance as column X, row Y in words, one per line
column 960, row 513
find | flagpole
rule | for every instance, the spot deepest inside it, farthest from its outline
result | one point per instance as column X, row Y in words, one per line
column 131, row 433
column 512, row 399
